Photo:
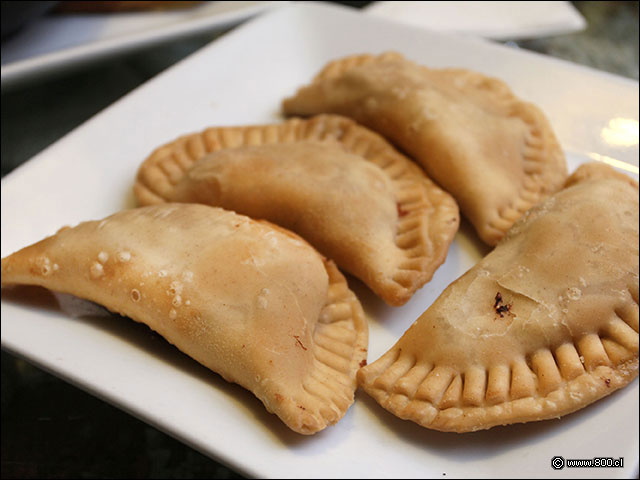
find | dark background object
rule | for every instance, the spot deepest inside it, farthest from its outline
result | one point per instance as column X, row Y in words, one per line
column 16, row 14
column 51, row 429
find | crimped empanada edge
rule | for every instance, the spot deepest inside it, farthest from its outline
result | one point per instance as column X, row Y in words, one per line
column 422, row 252
column 544, row 167
column 340, row 343
column 544, row 164
column 597, row 384
column 546, row 383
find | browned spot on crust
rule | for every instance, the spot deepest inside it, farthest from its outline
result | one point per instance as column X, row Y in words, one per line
column 501, row 308
column 498, row 300
column 299, row 342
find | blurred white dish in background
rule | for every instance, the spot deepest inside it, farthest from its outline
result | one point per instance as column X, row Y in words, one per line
column 54, row 42
column 495, row 20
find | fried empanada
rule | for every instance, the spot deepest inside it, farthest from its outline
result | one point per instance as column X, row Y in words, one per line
column 340, row 186
column 496, row 154
column 249, row 300
column 544, row 325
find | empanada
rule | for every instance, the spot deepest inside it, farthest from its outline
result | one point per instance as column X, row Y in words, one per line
column 249, row 300
column 340, row 186
column 494, row 153
column 544, row 325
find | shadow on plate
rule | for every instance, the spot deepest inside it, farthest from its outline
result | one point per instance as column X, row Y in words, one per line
column 142, row 337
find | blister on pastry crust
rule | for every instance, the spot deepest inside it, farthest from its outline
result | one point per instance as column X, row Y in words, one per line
column 340, row 186
column 249, row 300
column 544, row 325
column 496, row 154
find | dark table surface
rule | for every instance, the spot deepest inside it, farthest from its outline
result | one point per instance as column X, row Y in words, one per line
column 54, row 430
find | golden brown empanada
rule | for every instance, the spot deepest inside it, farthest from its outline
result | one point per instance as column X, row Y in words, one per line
column 494, row 153
column 249, row 300
column 340, row 186
column 544, row 325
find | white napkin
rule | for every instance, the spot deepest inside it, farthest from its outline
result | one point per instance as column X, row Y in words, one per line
column 495, row 20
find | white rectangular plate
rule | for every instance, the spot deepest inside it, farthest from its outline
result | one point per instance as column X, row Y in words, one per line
column 242, row 78
column 497, row 20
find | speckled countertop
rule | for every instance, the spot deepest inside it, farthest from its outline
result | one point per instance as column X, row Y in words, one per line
column 51, row 429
